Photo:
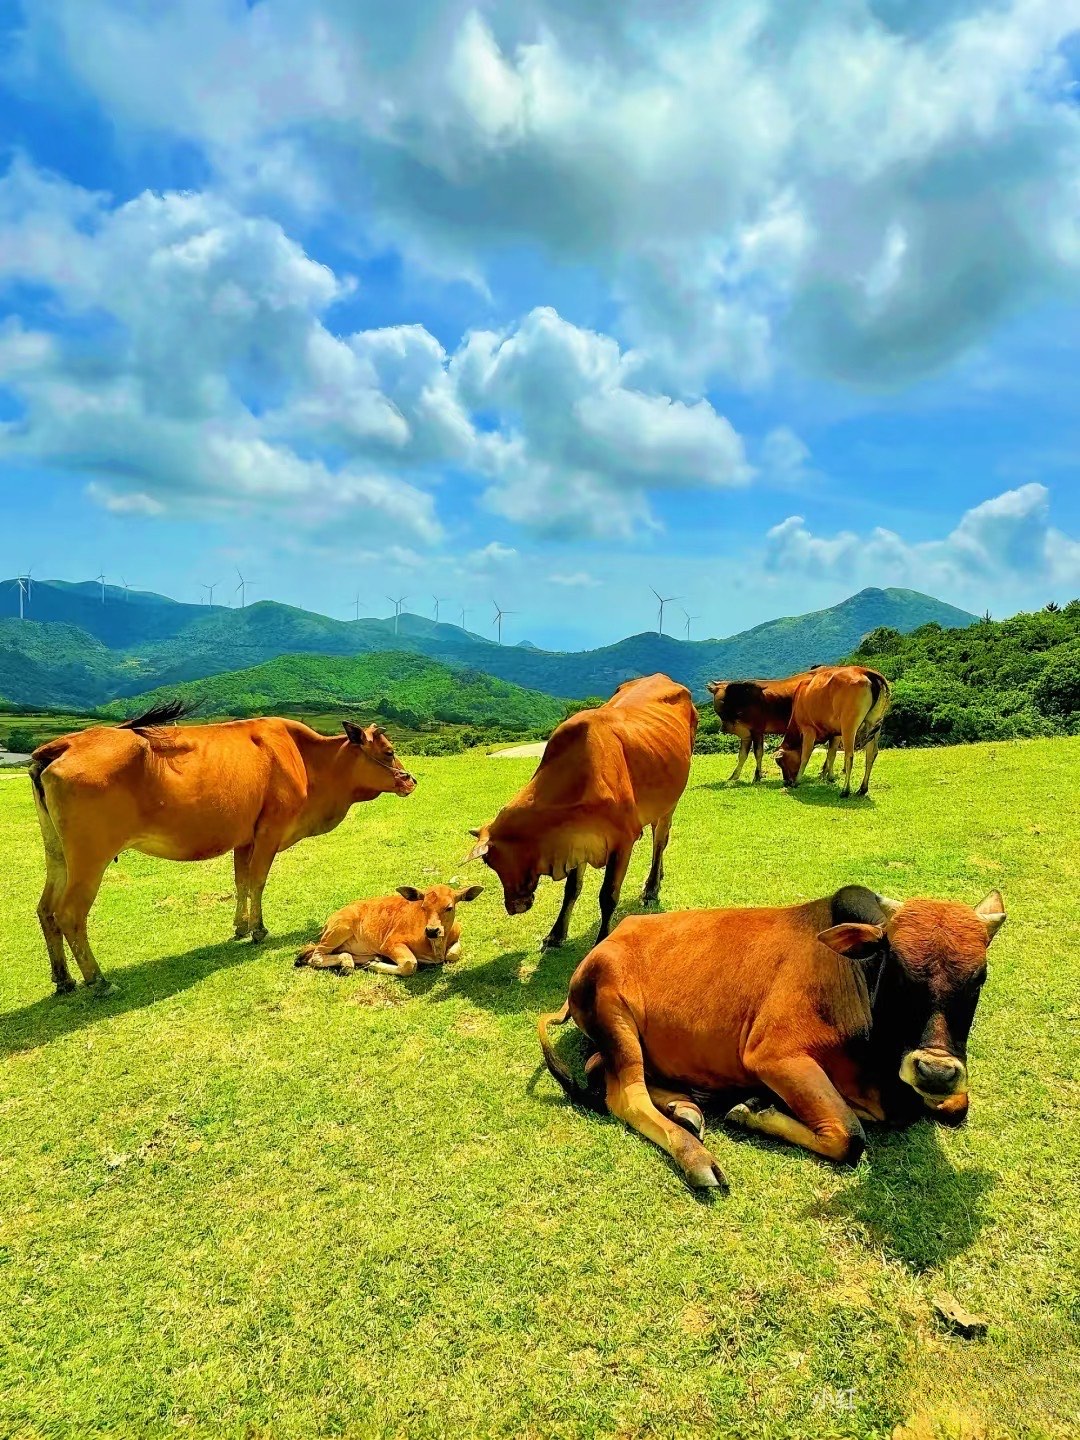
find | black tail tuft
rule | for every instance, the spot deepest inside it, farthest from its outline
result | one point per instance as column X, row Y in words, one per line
column 168, row 713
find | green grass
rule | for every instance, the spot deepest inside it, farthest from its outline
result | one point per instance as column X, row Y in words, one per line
column 240, row 1199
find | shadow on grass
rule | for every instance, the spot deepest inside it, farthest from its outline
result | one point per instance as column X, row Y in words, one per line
column 47, row 1019
column 828, row 797
column 911, row 1201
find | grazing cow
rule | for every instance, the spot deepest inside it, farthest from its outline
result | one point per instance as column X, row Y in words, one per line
column 605, row 775
column 392, row 933
column 849, row 1008
column 752, row 709
column 254, row 787
column 835, row 703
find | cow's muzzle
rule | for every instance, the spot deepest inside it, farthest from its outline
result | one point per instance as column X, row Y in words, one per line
column 935, row 1076
column 518, row 905
column 404, row 783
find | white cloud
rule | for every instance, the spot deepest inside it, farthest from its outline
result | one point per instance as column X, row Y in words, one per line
column 1005, row 541
column 868, row 185
column 577, row 580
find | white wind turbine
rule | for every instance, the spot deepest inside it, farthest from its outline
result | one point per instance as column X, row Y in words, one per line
column 664, row 600
column 101, row 579
column 241, row 589
column 688, row 619
column 25, row 586
column 499, row 617
column 397, row 604
column 210, row 590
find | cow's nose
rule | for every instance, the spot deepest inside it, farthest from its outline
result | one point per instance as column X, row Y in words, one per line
column 937, row 1074
column 433, row 932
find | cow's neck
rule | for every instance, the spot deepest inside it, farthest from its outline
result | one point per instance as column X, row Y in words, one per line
column 332, row 788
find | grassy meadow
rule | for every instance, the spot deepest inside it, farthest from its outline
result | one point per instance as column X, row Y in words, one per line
column 239, row 1199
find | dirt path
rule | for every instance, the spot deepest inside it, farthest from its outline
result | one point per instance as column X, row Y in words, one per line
column 520, row 752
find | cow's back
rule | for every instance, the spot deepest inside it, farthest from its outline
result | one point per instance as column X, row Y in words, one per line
column 821, row 697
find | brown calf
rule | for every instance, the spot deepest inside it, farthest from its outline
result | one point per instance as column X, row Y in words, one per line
column 605, row 775
column 837, row 703
column 849, row 1008
column 752, row 709
column 393, row 933
column 254, row 787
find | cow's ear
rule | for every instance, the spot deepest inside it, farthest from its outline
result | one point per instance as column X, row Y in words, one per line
column 713, row 686
column 356, row 733
column 469, row 894
column 409, row 892
column 991, row 912
column 859, row 942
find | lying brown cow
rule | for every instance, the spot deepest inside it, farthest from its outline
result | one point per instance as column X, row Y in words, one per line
column 605, row 775
column 752, row 709
column 392, row 933
column 254, row 787
column 850, row 1008
column 837, row 703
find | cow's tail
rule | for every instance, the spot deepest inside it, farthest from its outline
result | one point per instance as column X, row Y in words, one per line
column 579, row 1094
column 304, row 957
column 40, row 761
column 880, row 700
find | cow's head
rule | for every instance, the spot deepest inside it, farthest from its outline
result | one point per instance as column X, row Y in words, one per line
column 515, row 861
column 439, row 907
column 789, row 758
column 373, row 762
column 933, row 964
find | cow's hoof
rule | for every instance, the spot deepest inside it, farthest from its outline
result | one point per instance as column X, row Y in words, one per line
column 845, row 794
column 758, row 779
column 650, row 900
column 64, row 987
column 552, row 942
column 686, row 1114
column 746, row 1112
column 241, row 932
column 706, row 1175
column 102, row 989
column 259, row 934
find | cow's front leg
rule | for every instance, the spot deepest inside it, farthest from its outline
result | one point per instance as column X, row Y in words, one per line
column 400, row 960
column 611, row 889
column 759, row 756
column 571, row 890
column 821, row 1119
column 744, row 751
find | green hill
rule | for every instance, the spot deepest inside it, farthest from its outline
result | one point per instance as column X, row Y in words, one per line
column 155, row 642
column 408, row 689
column 49, row 665
column 997, row 680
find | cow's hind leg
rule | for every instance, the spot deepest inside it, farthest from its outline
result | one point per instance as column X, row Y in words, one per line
column 55, row 881
column 822, row 1120
column 611, row 889
column 628, row 1097
column 759, row 756
column 571, row 890
column 661, row 833
column 678, row 1107
column 262, row 857
column 241, row 868
column 83, row 880
column 869, row 757
column 744, row 751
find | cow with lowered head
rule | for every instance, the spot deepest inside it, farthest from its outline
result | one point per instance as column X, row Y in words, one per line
column 846, row 1009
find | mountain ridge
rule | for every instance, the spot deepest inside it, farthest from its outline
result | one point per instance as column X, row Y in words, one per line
column 180, row 643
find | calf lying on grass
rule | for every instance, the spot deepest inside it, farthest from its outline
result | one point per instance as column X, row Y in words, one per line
column 847, row 1008
column 392, row 933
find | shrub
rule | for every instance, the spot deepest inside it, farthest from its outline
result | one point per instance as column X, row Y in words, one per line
column 21, row 740
column 1057, row 690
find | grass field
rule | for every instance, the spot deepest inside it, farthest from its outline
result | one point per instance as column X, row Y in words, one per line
column 238, row 1199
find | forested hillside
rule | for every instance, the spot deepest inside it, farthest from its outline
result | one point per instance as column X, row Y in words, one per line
column 996, row 680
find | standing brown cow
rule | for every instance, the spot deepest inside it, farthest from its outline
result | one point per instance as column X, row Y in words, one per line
column 752, row 709
column 837, row 703
column 254, row 787
column 848, row 1008
column 605, row 775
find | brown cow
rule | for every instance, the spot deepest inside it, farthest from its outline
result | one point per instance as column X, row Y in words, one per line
column 254, row 787
column 605, row 775
column 392, row 933
column 835, row 703
column 848, row 1008
column 752, row 709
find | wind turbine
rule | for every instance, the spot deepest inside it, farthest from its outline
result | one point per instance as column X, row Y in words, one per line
column 101, row 578
column 499, row 617
column 356, row 605
column 439, row 602
column 688, row 619
column 241, row 588
column 664, row 600
column 463, row 617
column 211, row 589
column 25, row 585
column 397, row 604
column 126, row 586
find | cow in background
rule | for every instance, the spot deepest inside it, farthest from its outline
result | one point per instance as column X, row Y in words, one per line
column 850, row 1008
column 190, row 792
column 752, row 709
column 605, row 774
column 841, row 704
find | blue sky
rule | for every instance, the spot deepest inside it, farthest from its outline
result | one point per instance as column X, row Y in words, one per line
column 758, row 304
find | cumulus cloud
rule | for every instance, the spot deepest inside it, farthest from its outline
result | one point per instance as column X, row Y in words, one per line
column 577, row 580
column 869, row 186
column 1005, row 539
